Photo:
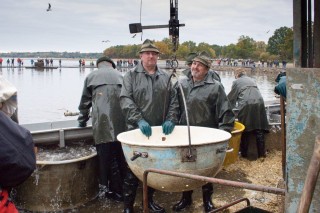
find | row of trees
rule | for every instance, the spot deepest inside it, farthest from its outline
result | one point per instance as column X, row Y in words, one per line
column 280, row 46
column 50, row 55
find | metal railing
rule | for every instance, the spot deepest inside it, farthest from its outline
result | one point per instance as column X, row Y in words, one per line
column 267, row 189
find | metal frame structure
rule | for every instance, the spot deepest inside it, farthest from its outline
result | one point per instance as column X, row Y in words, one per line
column 306, row 41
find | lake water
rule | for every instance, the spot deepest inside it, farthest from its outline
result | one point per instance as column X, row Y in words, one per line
column 44, row 96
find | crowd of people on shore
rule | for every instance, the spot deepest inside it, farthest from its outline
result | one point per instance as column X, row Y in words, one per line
column 251, row 63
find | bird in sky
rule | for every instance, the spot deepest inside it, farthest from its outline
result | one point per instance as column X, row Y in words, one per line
column 49, row 7
column 134, row 36
column 106, row 41
column 268, row 31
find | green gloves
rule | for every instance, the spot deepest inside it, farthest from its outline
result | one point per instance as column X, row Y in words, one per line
column 167, row 127
column 145, row 128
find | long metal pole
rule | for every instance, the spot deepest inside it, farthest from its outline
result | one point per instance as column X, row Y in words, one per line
column 297, row 41
column 283, row 136
column 310, row 36
column 304, row 34
column 267, row 189
column 316, row 34
column 311, row 179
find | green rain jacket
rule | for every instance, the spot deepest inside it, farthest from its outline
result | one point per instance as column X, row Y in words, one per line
column 252, row 113
column 207, row 104
column 143, row 97
column 101, row 91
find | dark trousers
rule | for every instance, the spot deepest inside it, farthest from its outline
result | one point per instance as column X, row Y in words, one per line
column 112, row 165
column 244, row 144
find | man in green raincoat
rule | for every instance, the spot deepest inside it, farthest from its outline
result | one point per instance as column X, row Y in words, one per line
column 142, row 100
column 101, row 92
column 208, row 106
column 246, row 97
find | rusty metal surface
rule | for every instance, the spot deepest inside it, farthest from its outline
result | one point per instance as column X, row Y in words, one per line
column 303, row 124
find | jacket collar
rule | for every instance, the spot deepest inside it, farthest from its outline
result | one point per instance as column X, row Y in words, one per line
column 141, row 69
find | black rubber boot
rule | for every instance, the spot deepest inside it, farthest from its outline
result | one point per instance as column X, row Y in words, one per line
column 128, row 208
column 116, row 182
column 260, row 144
column 207, row 191
column 151, row 204
column 185, row 201
column 244, row 144
column 130, row 186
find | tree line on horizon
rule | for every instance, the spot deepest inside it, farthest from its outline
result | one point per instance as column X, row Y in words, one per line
column 279, row 46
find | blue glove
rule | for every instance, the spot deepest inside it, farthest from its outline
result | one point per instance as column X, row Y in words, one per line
column 167, row 127
column 145, row 128
column 82, row 124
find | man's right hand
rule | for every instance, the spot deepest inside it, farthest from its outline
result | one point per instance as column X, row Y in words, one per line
column 145, row 128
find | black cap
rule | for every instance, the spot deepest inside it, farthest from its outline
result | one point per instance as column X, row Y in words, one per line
column 106, row 58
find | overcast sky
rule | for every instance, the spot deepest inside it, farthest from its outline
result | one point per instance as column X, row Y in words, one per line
column 82, row 25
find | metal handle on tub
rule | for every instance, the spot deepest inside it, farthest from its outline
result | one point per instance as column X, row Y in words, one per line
column 137, row 154
column 224, row 149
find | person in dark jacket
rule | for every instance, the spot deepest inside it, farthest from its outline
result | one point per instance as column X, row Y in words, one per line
column 281, row 74
column 208, row 106
column 142, row 100
column 101, row 92
column 246, row 97
column 281, row 89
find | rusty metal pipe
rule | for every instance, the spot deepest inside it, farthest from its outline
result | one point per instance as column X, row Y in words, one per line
column 267, row 189
column 231, row 204
column 311, row 179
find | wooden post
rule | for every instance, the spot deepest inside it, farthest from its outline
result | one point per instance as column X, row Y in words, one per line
column 283, row 135
column 311, row 179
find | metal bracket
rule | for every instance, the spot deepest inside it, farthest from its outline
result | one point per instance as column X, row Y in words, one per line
column 186, row 156
column 222, row 150
column 62, row 142
column 137, row 154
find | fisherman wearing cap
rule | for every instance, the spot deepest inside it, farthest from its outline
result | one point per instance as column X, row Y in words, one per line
column 142, row 101
column 101, row 92
column 189, row 60
column 207, row 106
column 246, row 97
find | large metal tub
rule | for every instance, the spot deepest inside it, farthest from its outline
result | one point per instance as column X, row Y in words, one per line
column 168, row 152
column 59, row 185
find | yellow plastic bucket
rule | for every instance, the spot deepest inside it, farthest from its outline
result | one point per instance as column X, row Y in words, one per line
column 234, row 143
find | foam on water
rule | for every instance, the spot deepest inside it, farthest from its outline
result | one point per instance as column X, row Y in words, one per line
column 55, row 153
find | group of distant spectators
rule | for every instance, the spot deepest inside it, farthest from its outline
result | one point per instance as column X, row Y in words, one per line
column 250, row 63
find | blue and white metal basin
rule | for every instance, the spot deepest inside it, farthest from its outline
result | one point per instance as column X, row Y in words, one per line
column 168, row 152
